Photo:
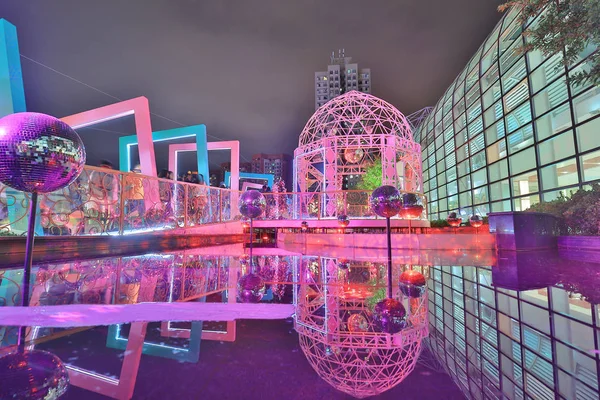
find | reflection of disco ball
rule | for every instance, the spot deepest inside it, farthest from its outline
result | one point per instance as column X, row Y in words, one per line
column 454, row 220
column 252, row 204
column 251, row 288
column 389, row 316
column 39, row 153
column 353, row 156
column 304, row 226
column 475, row 221
column 357, row 323
column 385, row 201
column 32, row 375
column 411, row 206
column 343, row 221
column 412, row 283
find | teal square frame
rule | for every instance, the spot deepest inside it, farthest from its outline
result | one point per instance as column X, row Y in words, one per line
column 197, row 131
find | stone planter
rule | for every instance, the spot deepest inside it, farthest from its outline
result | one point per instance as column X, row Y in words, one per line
column 524, row 231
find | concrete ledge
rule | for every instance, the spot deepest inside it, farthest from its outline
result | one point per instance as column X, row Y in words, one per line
column 47, row 249
column 399, row 241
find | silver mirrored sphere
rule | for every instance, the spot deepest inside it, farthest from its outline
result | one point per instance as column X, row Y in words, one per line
column 252, row 204
column 386, row 201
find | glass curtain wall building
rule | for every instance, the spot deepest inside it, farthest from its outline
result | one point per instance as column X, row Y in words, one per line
column 510, row 132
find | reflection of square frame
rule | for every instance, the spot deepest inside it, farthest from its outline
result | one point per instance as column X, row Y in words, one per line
column 251, row 186
column 191, row 354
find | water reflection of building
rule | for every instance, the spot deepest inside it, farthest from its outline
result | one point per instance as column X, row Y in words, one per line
column 497, row 341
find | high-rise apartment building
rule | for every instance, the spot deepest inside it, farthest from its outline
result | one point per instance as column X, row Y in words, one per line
column 342, row 76
column 277, row 164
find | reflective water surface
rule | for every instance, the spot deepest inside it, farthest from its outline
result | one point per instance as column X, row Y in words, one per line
column 514, row 325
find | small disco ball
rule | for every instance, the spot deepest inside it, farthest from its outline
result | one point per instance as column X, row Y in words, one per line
column 357, row 323
column 304, row 226
column 475, row 221
column 353, row 156
column 39, row 153
column 32, row 375
column 412, row 283
column 453, row 220
column 343, row 221
column 389, row 316
column 411, row 206
column 386, row 201
column 252, row 204
column 251, row 288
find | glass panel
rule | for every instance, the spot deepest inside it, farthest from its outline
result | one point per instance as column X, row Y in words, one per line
column 480, row 195
column 591, row 166
column 498, row 170
column 493, row 114
column 560, row 174
column 492, row 94
column 452, row 188
column 479, row 178
column 514, row 76
column 475, row 127
column 500, row 206
column 525, row 184
column 550, row 97
column 496, row 151
column 546, row 73
column 516, row 96
column 587, row 105
column 522, row 161
column 500, row 190
column 557, row 148
column 553, row 122
column 518, row 117
column 478, row 161
column 520, row 139
column 523, row 203
column 588, row 135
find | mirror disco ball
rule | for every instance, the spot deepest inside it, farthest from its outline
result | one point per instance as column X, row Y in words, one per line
column 389, row 316
column 412, row 283
column 252, row 204
column 32, row 375
column 386, row 201
column 343, row 221
column 39, row 153
column 251, row 288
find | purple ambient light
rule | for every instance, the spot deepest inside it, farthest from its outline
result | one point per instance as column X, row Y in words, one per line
column 39, row 153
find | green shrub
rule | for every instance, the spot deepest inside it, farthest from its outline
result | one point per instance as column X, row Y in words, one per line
column 439, row 223
column 580, row 213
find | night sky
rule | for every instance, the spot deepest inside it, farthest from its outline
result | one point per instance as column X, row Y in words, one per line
column 243, row 68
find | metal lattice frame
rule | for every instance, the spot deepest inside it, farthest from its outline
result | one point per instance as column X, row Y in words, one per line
column 364, row 363
column 362, row 123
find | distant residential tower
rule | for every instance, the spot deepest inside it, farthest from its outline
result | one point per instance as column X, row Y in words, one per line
column 342, row 76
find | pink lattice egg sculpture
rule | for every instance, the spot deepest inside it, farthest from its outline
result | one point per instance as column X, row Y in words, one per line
column 39, row 153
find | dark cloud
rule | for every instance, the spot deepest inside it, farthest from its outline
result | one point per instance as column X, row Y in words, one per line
column 243, row 68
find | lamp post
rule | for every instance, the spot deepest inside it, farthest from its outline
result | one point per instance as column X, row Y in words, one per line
column 251, row 287
column 389, row 314
column 40, row 154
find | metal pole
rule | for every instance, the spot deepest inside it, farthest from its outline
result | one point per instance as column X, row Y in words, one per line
column 27, row 266
column 251, row 243
column 389, row 249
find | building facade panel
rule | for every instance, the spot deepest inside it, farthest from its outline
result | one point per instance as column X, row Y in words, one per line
column 510, row 131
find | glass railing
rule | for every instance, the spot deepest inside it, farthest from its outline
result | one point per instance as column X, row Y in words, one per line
column 103, row 201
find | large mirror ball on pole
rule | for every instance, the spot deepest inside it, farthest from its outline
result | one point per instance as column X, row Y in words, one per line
column 251, row 287
column 389, row 315
column 38, row 154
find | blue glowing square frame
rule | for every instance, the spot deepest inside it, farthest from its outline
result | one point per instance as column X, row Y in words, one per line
column 197, row 131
